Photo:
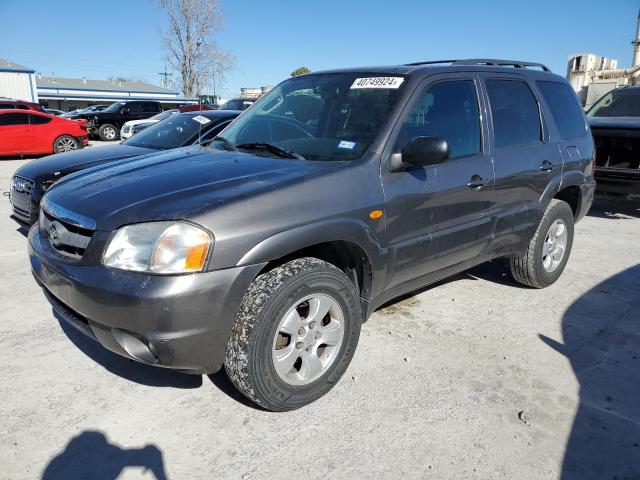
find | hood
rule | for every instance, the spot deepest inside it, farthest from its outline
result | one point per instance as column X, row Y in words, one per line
column 47, row 168
column 170, row 185
column 614, row 122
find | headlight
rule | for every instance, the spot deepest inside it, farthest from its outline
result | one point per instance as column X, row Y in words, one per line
column 158, row 247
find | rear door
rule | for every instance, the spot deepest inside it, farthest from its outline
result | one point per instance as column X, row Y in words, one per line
column 524, row 157
column 41, row 137
column 570, row 122
column 14, row 133
column 439, row 215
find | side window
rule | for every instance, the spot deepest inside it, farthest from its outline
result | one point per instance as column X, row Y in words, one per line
column 516, row 117
column 448, row 110
column 7, row 106
column 38, row 119
column 14, row 119
column 150, row 107
column 134, row 107
column 565, row 109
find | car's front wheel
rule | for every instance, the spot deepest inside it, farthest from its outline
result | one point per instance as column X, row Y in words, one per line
column 295, row 334
column 108, row 132
column 65, row 143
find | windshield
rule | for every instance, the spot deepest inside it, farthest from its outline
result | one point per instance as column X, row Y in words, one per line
column 114, row 107
column 334, row 116
column 618, row 103
column 173, row 132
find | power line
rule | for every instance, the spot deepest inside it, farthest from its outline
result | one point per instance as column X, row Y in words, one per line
column 166, row 76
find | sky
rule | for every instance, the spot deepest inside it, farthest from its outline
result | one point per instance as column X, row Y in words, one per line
column 270, row 39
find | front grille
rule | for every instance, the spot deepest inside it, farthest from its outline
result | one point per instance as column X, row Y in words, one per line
column 65, row 238
column 21, row 192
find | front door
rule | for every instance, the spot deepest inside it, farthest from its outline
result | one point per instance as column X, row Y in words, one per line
column 14, row 133
column 439, row 215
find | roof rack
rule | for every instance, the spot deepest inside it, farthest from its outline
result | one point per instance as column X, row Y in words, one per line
column 485, row 61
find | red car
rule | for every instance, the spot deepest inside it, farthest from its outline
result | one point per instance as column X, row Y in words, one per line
column 27, row 132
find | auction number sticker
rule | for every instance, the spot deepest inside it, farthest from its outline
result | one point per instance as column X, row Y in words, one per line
column 201, row 119
column 378, row 82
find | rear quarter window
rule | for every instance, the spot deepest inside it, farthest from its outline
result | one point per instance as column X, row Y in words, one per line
column 564, row 107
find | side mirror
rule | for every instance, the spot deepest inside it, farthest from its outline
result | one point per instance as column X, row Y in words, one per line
column 126, row 110
column 421, row 151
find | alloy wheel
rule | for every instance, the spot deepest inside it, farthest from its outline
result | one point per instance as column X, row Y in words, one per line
column 308, row 339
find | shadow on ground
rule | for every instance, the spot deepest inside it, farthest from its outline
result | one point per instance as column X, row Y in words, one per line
column 615, row 207
column 91, row 456
column 601, row 339
column 128, row 369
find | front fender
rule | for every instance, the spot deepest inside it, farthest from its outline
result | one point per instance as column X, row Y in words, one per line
column 284, row 243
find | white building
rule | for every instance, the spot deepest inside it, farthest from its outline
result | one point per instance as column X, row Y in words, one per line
column 17, row 81
column 591, row 76
column 22, row 83
column 70, row 93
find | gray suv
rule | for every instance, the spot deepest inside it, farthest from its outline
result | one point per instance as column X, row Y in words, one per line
column 333, row 194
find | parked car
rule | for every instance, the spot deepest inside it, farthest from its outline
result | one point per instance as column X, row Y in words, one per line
column 193, row 107
column 267, row 253
column 127, row 129
column 615, row 125
column 53, row 111
column 84, row 112
column 27, row 132
column 10, row 104
column 240, row 103
column 107, row 123
column 32, row 180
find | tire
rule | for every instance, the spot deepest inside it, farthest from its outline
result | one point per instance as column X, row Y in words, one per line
column 108, row 133
column 257, row 337
column 65, row 143
column 540, row 266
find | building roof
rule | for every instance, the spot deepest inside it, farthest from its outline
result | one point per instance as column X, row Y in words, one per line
column 104, row 85
column 9, row 66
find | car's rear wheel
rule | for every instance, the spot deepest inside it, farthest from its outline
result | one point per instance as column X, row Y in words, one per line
column 295, row 334
column 65, row 143
column 548, row 251
column 108, row 132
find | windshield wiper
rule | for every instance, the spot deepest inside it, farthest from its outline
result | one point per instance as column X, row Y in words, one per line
column 269, row 148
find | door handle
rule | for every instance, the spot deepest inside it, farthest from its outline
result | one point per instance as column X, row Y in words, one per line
column 546, row 166
column 476, row 182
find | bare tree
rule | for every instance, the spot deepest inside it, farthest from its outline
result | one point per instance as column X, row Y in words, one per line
column 191, row 50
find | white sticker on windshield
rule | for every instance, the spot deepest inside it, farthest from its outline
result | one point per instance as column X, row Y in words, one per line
column 201, row 119
column 346, row 144
column 378, row 82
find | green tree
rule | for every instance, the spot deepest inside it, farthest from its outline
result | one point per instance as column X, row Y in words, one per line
column 300, row 71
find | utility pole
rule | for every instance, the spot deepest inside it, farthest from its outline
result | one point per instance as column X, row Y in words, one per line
column 164, row 74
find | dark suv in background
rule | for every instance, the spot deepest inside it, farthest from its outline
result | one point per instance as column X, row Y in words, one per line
column 107, row 123
column 335, row 193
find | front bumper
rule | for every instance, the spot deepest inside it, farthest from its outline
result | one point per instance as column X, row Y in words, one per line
column 180, row 321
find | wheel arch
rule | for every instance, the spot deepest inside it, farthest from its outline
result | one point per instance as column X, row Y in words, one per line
column 350, row 246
